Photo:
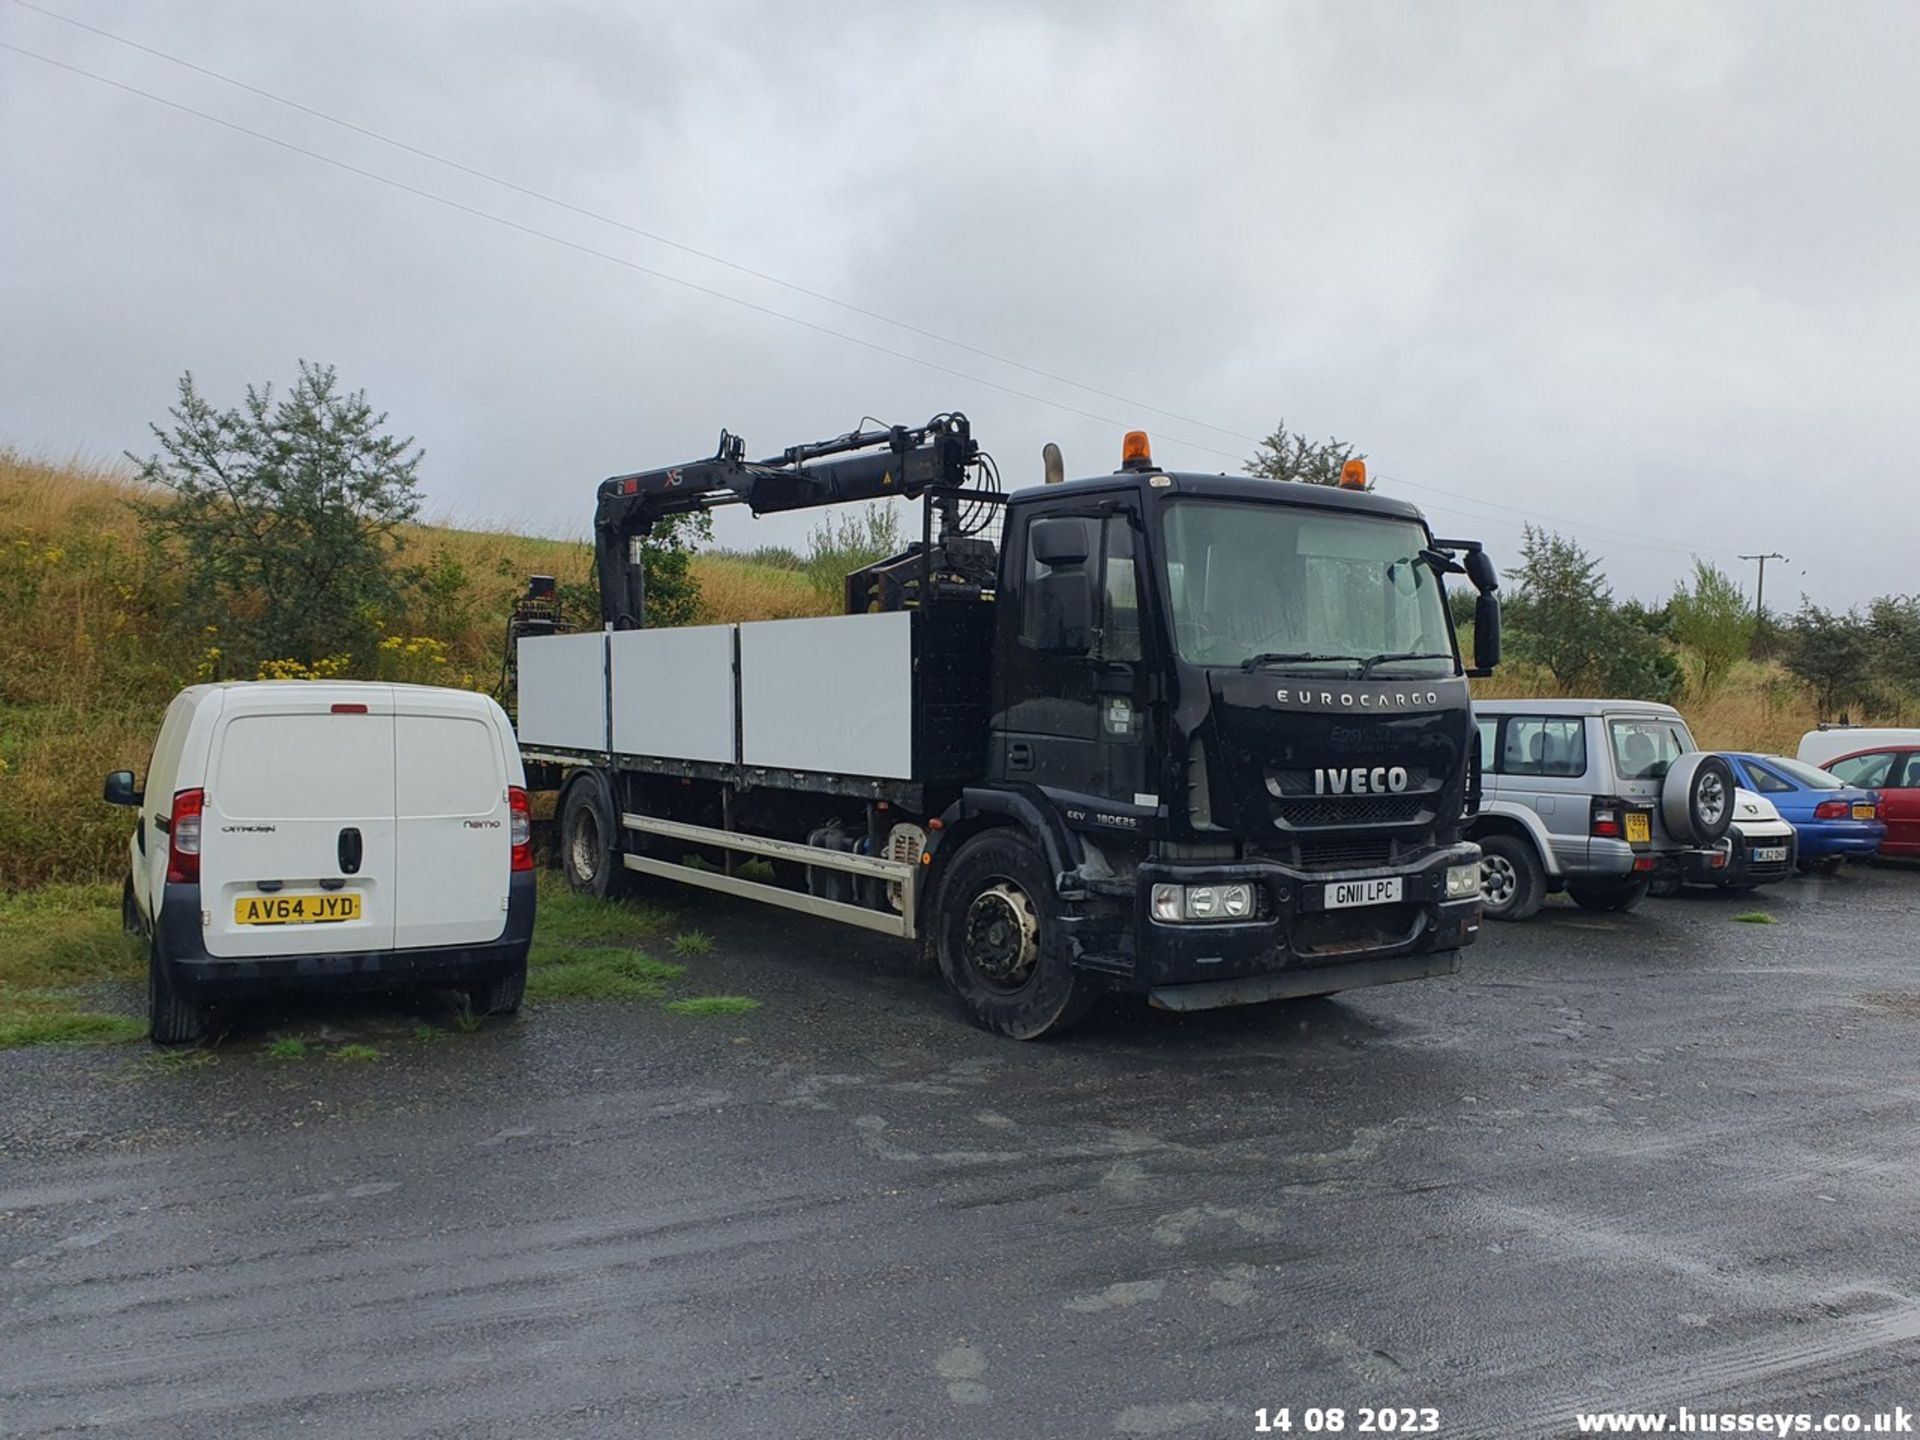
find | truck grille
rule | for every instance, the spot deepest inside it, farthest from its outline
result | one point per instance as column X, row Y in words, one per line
column 1344, row 853
column 1352, row 810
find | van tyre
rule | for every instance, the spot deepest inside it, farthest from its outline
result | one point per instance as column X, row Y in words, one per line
column 1696, row 798
column 589, row 856
column 502, row 994
column 131, row 920
column 1513, row 884
column 999, row 940
column 173, row 1018
column 1609, row 897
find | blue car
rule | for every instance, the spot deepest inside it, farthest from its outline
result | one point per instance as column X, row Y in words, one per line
column 1834, row 820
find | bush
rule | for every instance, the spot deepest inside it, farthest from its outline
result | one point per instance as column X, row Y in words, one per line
column 844, row 543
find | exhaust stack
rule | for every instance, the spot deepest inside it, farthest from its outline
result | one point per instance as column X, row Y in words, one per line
column 1056, row 466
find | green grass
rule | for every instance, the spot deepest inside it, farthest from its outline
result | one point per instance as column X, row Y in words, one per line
column 288, row 1047
column 596, row 972
column 713, row 1005
column 693, row 942
column 355, row 1054
column 565, row 918
column 428, row 1034
column 54, row 941
column 467, row 1020
column 1755, row 917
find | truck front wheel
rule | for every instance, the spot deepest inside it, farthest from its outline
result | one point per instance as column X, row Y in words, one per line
column 998, row 938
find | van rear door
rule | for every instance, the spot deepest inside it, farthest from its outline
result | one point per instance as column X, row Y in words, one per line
column 455, row 849
column 299, row 807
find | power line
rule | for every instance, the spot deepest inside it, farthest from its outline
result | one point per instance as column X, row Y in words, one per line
column 598, row 254
column 1606, row 533
column 631, row 229
column 1760, row 589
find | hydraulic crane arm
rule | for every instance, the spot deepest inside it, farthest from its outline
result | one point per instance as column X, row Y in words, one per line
column 871, row 465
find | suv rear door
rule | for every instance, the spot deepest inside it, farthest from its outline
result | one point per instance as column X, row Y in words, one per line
column 455, row 849
column 299, row 803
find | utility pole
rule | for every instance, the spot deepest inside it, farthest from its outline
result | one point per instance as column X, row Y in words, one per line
column 1760, row 590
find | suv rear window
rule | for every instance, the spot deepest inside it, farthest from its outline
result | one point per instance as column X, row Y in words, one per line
column 1645, row 749
column 1544, row 745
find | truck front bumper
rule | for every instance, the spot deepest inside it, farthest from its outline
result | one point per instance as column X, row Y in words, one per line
column 1296, row 943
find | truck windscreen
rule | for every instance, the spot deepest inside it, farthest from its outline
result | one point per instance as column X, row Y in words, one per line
column 1295, row 588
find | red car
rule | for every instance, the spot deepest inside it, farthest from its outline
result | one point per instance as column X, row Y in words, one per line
column 1893, row 770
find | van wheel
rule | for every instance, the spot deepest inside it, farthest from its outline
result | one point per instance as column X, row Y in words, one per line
column 1609, row 897
column 998, row 940
column 502, row 994
column 1512, row 883
column 587, row 852
column 172, row 1018
column 131, row 920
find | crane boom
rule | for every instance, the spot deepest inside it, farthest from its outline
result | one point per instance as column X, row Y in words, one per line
column 861, row 465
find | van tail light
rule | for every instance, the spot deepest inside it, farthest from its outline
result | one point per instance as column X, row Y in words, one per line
column 1606, row 818
column 1832, row 810
column 183, row 837
column 520, row 828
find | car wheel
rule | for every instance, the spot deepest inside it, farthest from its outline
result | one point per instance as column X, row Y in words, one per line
column 999, row 941
column 588, row 855
column 502, row 994
column 1609, row 897
column 173, row 1018
column 1696, row 798
column 1513, row 883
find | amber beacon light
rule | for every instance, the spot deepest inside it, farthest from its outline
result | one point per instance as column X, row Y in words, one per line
column 1353, row 475
column 1134, row 450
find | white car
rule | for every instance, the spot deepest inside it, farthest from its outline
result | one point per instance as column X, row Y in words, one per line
column 1760, row 849
column 328, row 834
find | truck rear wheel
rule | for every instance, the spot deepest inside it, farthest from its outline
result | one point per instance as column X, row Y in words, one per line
column 998, row 938
column 588, row 854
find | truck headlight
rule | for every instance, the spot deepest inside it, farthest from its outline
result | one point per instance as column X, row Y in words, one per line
column 1463, row 881
column 1175, row 904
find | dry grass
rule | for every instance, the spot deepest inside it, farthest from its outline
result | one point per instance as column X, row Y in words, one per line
column 733, row 590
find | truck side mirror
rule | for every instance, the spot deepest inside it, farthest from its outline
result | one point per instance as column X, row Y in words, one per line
column 120, row 789
column 1060, row 541
column 1481, row 572
column 1486, row 632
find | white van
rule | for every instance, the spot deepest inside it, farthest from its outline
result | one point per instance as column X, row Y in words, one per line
column 1817, row 747
column 331, row 834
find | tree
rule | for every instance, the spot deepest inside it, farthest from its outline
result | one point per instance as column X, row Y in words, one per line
column 1831, row 653
column 1561, row 616
column 284, row 516
column 1712, row 620
column 673, row 590
column 1284, row 455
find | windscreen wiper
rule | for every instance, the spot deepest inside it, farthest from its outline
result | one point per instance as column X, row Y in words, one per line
column 1366, row 666
column 1290, row 657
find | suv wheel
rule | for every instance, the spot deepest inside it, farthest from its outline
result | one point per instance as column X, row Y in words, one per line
column 1512, row 881
column 1609, row 897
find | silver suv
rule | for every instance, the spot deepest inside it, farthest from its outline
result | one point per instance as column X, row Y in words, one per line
column 1599, row 798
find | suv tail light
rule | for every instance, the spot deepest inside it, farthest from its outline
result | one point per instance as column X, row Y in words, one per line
column 519, row 828
column 1607, row 818
column 183, row 837
column 1832, row 810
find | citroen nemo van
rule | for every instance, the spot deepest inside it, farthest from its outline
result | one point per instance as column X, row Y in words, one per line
column 319, row 834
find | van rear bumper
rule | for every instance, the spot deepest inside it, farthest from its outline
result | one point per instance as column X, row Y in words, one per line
column 184, row 950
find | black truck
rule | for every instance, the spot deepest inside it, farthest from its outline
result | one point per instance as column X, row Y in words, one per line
column 1204, row 738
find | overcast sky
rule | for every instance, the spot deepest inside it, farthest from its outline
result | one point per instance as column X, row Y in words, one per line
column 1645, row 272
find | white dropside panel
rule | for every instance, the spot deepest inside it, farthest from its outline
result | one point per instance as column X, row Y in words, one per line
column 829, row 695
column 453, row 851
column 563, row 691
column 673, row 693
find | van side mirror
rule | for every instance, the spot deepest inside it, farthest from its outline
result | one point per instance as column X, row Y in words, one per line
column 121, row 790
column 1486, row 632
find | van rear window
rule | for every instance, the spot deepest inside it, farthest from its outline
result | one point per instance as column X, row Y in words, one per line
column 447, row 765
column 305, row 767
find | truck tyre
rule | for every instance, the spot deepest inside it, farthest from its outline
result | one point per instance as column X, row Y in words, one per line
column 997, row 936
column 172, row 1018
column 502, row 994
column 1696, row 798
column 588, row 852
column 1513, row 884
column 1618, row 897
